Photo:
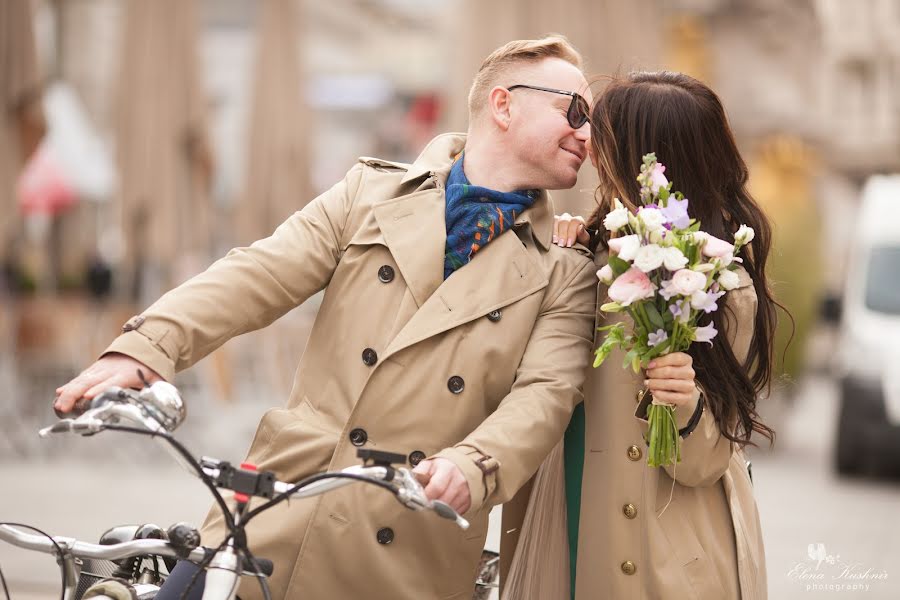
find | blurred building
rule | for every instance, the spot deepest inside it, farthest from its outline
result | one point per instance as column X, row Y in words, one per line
column 810, row 87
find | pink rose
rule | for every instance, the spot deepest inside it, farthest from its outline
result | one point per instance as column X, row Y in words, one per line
column 716, row 248
column 631, row 286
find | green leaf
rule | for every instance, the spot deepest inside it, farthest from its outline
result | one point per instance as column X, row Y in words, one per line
column 654, row 316
column 599, row 356
column 629, row 358
column 663, row 194
column 618, row 265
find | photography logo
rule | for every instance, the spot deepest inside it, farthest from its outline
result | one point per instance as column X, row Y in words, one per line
column 824, row 572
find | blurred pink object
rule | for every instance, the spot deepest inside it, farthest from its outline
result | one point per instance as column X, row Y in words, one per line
column 43, row 186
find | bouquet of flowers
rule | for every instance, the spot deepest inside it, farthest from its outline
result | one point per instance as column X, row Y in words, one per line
column 665, row 274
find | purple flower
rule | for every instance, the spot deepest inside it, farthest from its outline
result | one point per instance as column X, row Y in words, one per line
column 676, row 212
column 705, row 334
column 705, row 301
column 681, row 310
column 675, row 309
column 656, row 338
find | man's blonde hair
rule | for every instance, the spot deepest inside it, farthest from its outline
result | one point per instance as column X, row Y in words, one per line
column 515, row 53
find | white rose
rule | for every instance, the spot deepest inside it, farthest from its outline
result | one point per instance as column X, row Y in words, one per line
column 652, row 218
column 685, row 282
column 649, row 257
column 674, row 259
column 625, row 247
column 728, row 280
column 744, row 235
column 605, row 274
column 617, row 218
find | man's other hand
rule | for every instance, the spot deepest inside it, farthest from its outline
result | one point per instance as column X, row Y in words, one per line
column 444, row 481
column 112, row 369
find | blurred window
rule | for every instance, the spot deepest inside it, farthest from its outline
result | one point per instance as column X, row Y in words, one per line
column 883, row 286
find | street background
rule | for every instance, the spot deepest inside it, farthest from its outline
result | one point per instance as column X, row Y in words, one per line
column 141, row 139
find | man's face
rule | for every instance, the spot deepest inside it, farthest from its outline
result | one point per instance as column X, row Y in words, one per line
column 539, row 134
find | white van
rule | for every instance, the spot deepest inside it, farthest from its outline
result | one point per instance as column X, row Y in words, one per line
column 868, row 352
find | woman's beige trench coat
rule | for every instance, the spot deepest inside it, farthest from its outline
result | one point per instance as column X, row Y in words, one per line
column 488, row 363
column 707, row 544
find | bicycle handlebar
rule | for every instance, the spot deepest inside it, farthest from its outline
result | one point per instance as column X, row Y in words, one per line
column 40, row 543
column 159, row 409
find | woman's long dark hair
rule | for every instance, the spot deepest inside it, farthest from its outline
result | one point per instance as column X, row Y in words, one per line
column 684, row 123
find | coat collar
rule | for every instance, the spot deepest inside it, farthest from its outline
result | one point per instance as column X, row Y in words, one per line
column 435, row 161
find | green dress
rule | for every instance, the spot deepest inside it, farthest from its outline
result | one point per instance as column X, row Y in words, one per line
column 573, row 453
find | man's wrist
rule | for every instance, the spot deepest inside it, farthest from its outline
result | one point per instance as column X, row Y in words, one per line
column 478, row 470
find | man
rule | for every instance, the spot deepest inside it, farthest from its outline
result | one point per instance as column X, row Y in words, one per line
column 451, row 330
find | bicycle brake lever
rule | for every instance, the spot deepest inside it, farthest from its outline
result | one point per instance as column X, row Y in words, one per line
column 447, row 511
column 412, row 495
column 81, row 427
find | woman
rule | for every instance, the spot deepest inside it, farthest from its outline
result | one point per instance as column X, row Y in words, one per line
column 690, row 531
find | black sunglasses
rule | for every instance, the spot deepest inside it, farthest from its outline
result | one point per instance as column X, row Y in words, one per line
column 577, row 115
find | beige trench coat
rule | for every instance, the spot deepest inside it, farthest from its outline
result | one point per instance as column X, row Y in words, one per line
column 511, row 330
column 707, row 544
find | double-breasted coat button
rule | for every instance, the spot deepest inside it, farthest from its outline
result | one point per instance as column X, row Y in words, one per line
column 386, row 274
column 628, row 567
column 370, row 357
column 634, row 453
column 358, row 437
column 495, row 315
column 385, row 535
column 630, row 511
column 456, row 384
column 416, row 457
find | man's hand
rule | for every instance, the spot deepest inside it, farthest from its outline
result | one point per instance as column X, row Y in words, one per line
column 112, row 369
column 445, row 482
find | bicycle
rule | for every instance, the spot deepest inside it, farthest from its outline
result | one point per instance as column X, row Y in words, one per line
column 157, row 410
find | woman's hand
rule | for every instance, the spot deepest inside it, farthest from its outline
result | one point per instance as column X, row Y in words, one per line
column 568, row 229
column 670, row 379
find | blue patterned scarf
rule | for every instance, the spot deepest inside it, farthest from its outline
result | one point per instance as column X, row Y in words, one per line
column 477, row 215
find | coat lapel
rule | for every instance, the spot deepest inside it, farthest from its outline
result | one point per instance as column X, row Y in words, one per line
column 499, row 274
column 414, row 231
